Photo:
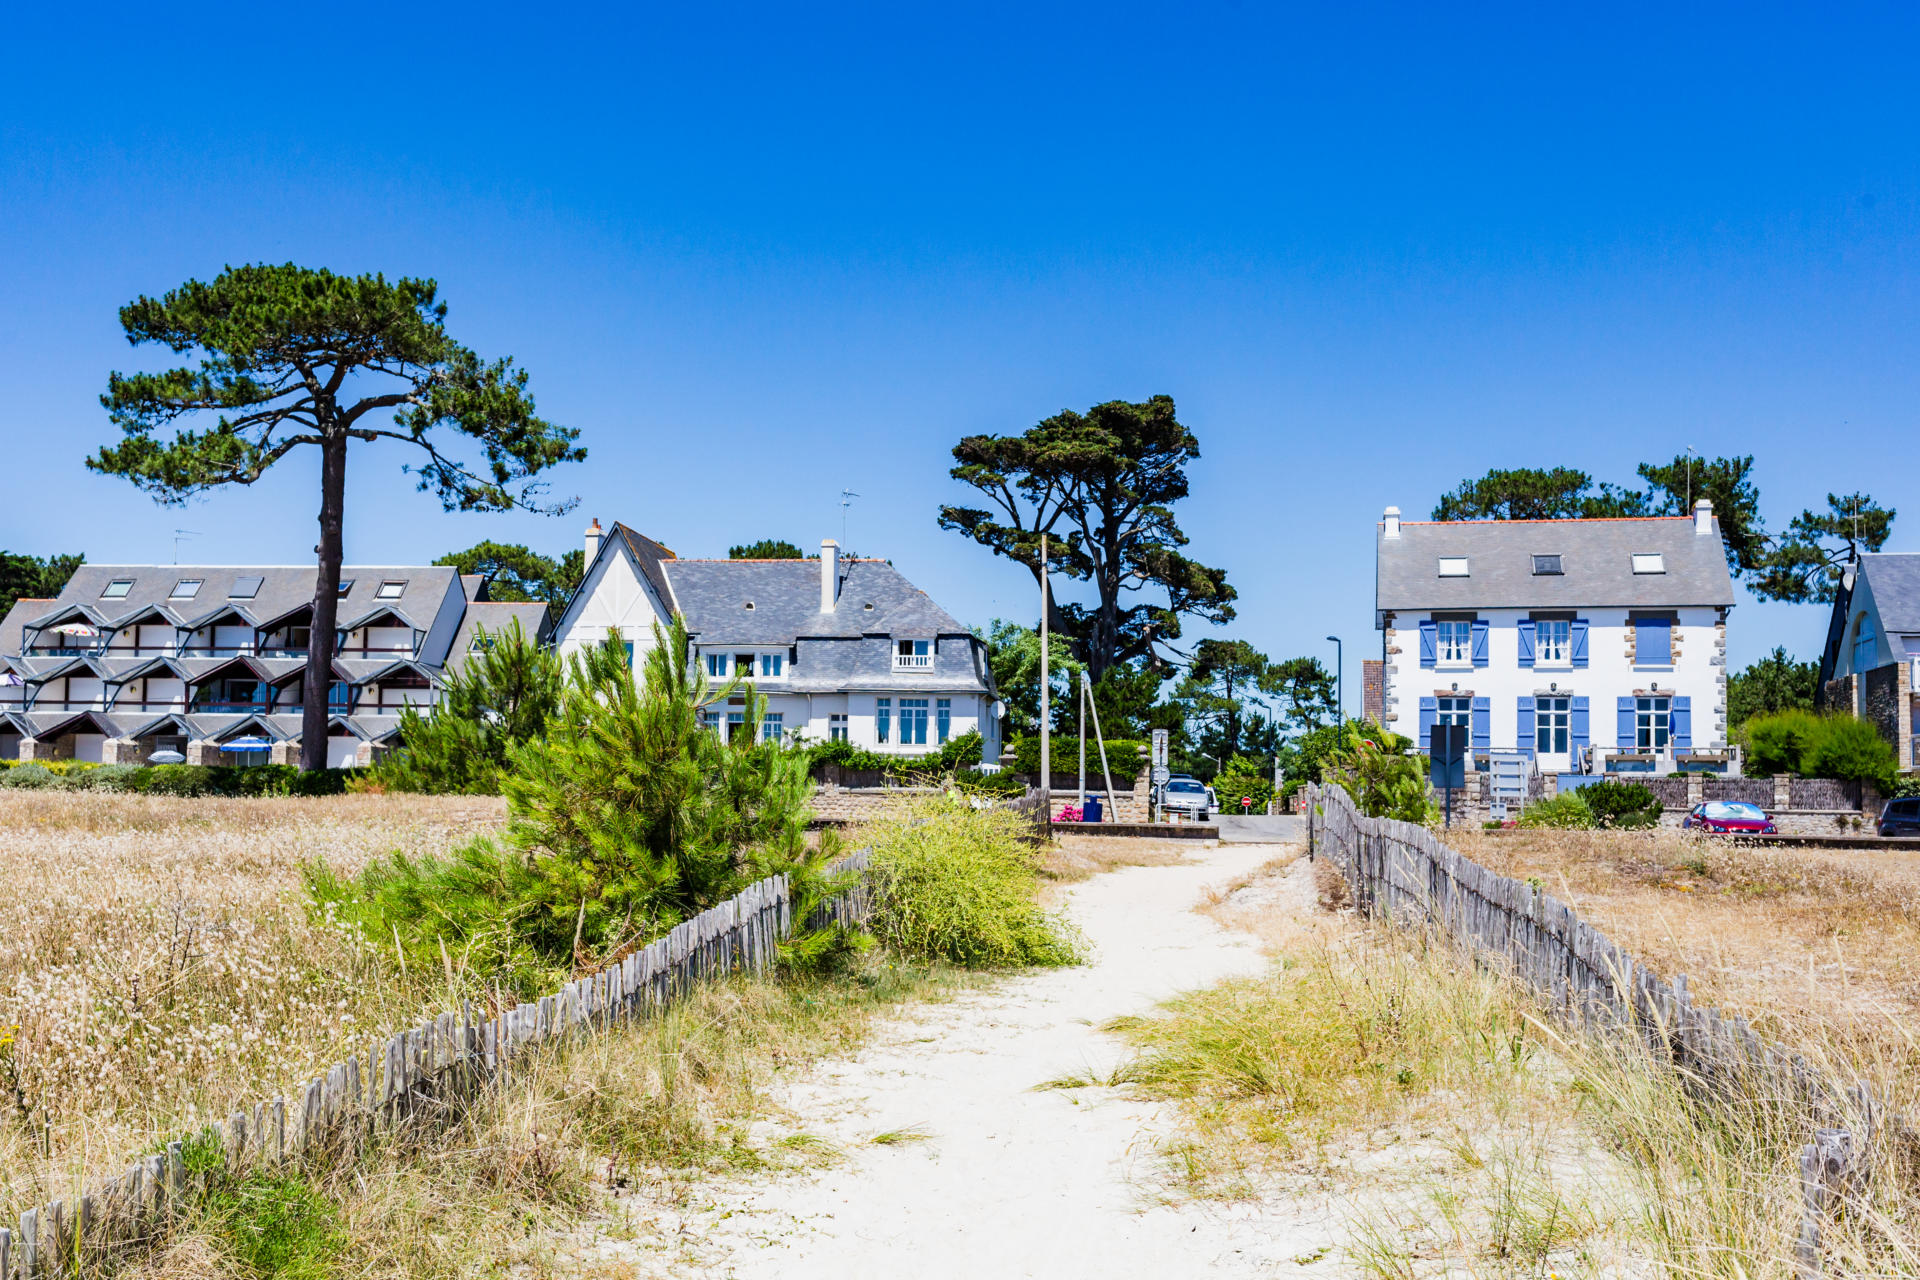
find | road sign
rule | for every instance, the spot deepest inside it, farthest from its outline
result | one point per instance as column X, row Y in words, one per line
column 1162, row 775
column 1159, row 753
column 1246, row 803
column 1447, row 754
column 1507, row 776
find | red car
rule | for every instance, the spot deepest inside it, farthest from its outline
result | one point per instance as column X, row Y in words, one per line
column 1736, row 817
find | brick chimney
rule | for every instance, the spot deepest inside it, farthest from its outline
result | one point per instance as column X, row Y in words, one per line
column 1392, row 522
column 593, row 541
column 829, row 575
column 1702, row 518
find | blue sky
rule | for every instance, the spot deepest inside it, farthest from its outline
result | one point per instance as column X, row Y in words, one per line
column 758, row 255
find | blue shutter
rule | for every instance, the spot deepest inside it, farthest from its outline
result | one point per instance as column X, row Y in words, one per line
column 1482, row 724
column 1429, row 711
column 1579, row 719
column 1429, row 643
column 1479, row 644
column 1625, row 738
column 1525, row 630
column 1681, row 726
column 1579, row 631
column 1524, row 726
column 1652, row 642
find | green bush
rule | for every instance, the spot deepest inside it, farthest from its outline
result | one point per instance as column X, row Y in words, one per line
column 1778, row 743
column 1623, row 805
column 1123, row 754
column 955, row 883
column 109, row 777
column 503, row 695
column 1234, row 783
column 1004, row 783
column 33, row 776
column 1566, row 812
column 1851, row 750
column 1385, row 779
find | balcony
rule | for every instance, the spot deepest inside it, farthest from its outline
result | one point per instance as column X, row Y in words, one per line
column 255, row 707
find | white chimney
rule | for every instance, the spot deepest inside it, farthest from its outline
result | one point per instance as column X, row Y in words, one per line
column 1702, row 517
column 829, row 575
column 1392, row 520
column 593, row 541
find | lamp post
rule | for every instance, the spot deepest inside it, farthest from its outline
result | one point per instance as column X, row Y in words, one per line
column 1339, row 678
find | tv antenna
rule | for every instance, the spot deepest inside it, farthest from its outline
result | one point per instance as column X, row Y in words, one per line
column 846, row 500
column 1689, row 479
column 179, row 534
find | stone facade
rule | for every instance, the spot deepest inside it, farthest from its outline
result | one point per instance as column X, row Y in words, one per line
column 1373, row 690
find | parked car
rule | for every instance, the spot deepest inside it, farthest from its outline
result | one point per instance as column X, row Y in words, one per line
column 1901, row 817
column 1188, row 797
column 1732, row 817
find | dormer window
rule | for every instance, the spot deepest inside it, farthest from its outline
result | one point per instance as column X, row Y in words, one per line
column 912, row 655
column 716, row 666
column 245, row 588
column 390, row 590
column 185, row 589
column 117, row 589
column 1454, row 567
column 346, row 585
column 1649, row 562
column 1547, row 567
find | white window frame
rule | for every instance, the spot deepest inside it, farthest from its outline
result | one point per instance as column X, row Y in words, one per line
column 716, row 666
column 918, row 655
column 1456, row 566
column 178, row 594
column 909, row 714
column 108, row 593
column 399, row 586
column 773, row 666
column 1553, row 642
column 1653, row 722
column 772, row 726
column 837, row 730
column 1649, row 562
column 1453, row 653
column 1553, row 716
column 1454, row 708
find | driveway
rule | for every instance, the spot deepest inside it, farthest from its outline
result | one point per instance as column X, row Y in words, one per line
column 1280, row 828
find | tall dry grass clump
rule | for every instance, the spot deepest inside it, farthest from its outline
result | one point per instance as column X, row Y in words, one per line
column 158, row 964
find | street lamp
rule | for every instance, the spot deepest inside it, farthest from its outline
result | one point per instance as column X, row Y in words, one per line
column 1339, row 677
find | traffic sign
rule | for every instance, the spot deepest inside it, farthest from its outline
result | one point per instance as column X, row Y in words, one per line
column 1159, row 753
column 1162, row 775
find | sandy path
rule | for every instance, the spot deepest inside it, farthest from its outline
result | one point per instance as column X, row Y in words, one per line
column 1009, row 1181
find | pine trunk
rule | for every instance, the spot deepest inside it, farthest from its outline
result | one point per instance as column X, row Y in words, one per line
column 326, row 603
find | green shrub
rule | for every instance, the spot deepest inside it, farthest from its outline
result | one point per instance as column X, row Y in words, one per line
column 276, row 1225
column 1234, row 783
column 1004, row 783
column 1623, row 805
column 955, row 883
column 1850, row 749
column 503, row 695
column 110, row 777
column 1123, row 754
column 1778, row 743
column 1566, row 812
column 33, row 776
column 1384, row 778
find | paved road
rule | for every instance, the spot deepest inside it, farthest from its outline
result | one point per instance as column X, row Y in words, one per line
column 1281, row 828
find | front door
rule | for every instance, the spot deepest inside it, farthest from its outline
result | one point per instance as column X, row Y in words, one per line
column 1552, row 743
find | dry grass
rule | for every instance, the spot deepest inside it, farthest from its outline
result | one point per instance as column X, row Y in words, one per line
column 158, row 965
column 1069, row 859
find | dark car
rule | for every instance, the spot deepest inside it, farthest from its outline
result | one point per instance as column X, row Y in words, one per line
column 1901, row 817
column 1735, row 817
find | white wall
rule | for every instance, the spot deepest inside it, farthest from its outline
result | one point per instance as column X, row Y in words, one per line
column 1697, row 674
column 613, row 598
column 812, row 713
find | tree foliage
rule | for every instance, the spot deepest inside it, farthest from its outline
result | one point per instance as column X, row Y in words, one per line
column 1385, row 779
column 1531, row 493
column 766, row 549
column 24, row 577
column 502, row 696
column 1238, row 702
column 516, row 573
column 1102, row 485
column 1805, row 563
column 1674, row 487
column 1774, row 683
column 287, row 357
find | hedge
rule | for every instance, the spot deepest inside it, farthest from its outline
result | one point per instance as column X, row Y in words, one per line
column 176, row 779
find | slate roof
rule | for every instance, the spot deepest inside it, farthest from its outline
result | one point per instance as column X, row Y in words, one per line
column 785, row 594
column 1894, row 579
column 277, row 727
column 1596, row 561
column 283, row 589
column 497, row 616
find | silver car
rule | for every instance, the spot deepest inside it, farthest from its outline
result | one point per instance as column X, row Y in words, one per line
column 1187, row 797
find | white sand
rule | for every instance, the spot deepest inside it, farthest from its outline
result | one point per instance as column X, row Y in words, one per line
column 1009, row 1181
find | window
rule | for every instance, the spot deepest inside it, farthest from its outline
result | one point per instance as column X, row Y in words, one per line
column 743, row 665
column 346, row 585
column 185, row 589
column 736, row 724
column 770, row 726
column 117, row 589
column 882, row 715
column 1653, row 721
column 1866, row 644
column 1546, row 566
column 709, row 718
column 244, row 588
column 1553, row 641
column 943, row 719
column 1454, row 711
column 299, row 637
column 390, row 590
column 1649, row 562
column 913, row 653
column 716, row 666
column 1453, row 567
column 1456, row 641
column 837, row 727
column 1550, row 719
column 628, row 645
column 913, row 722
column 773, row 664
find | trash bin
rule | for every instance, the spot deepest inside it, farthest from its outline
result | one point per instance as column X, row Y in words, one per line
column 1090, row 812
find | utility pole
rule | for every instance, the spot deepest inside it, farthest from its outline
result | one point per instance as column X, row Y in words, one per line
column 1080, row 686
column 1339, row 678
column 846, row 500
column 1046, row 746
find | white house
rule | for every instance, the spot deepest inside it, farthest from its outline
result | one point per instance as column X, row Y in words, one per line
column 210, row 660
column 1871, row 664
column 840, row 648
column 1587, row 645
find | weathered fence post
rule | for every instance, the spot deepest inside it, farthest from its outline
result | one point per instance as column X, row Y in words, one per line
column 1827, row 1171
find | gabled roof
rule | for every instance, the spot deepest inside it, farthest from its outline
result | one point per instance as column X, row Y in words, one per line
column 649, row 556
column 143, row 728
column 497, row 616
column 1596, row 558
column 875, row 599
column 1894, row 579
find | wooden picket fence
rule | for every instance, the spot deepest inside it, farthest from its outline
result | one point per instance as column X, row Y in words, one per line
column 1400, row 872
column 422, row 1073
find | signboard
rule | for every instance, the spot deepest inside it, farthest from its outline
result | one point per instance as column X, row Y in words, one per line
column 1447, row 755
column 1508, row 776
column 1159, row 754
column 1162, row 775
column 1497, row 810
